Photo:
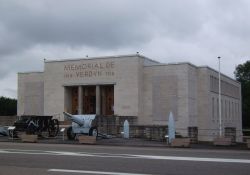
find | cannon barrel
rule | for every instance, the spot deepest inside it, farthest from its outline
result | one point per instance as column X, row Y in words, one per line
column 74, row 119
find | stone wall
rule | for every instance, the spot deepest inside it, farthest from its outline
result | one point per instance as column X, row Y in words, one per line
column 7, row 120
column 30, row 94
column 113, row 125
column 230, row 104
column 165, row 91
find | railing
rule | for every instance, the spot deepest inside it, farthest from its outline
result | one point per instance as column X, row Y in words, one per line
column 159, row 132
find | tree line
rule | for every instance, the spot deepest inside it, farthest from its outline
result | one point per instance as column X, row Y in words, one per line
column 8, row 106
column 242, row 74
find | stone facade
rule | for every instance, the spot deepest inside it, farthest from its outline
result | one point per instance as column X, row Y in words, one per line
column 143, row 88
column 30, row 93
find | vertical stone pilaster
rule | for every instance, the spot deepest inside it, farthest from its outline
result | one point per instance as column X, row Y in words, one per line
column 80, row 99
column 98, row 100
column 103, row 101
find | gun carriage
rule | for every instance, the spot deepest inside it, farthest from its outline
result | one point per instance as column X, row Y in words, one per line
column 81, row 124
column 39, row 125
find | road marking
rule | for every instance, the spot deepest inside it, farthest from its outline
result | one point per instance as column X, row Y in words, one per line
column 124, row 156
column 199, row 159
column 92, row 172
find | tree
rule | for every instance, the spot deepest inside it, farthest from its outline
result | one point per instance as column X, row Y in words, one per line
column 242, row 74
column 8, row 106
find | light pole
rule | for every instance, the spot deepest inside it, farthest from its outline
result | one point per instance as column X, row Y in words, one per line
column 220, row 127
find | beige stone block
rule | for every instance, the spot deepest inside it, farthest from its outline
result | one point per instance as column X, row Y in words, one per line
column 29, row 138
column 222, row 141
column 181, row 142
column 87, row 139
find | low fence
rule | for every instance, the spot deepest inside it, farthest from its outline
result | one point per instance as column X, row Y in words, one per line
column 159, row 133
column 137, row 131
column 113, row 125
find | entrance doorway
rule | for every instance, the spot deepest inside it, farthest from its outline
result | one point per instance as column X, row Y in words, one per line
column 89, row 102
column 74, row 101
column 107, row 100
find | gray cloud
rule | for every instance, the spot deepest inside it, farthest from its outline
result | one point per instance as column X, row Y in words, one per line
column 91, row 24
column 168, row 31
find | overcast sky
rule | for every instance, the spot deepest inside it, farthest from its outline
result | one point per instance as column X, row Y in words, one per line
column 196, row 31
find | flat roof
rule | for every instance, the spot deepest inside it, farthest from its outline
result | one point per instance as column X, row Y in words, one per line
column 170, row 64
column 188, row 63
column 100, row 57
column 218, row 73
column 31, row 72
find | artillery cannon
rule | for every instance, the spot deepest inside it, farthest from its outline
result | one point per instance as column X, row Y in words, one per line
column 81, row 124
column 32, row 124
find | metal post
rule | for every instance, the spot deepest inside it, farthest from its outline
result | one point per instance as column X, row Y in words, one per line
column 220, row 124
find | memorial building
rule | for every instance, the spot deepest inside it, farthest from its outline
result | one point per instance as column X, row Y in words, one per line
column 135, row 86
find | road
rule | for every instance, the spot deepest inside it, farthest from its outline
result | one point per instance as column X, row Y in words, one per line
column 55, row 159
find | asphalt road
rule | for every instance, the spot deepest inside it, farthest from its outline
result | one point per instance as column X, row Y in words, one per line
column 55, row 159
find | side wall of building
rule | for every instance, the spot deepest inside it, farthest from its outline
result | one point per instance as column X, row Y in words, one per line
column 53, row 90
column 230, row 104
column 203, row 105
column 192, row 96
column 30, row 93
column 165, row 91
column 208, row 105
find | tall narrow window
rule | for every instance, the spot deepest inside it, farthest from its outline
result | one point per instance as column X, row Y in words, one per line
column 222, row 109
column 225, row 109
column 213, row 108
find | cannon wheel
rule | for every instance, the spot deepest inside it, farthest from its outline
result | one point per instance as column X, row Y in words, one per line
column 53, row 128
column 93, row 132
column 70, row 134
